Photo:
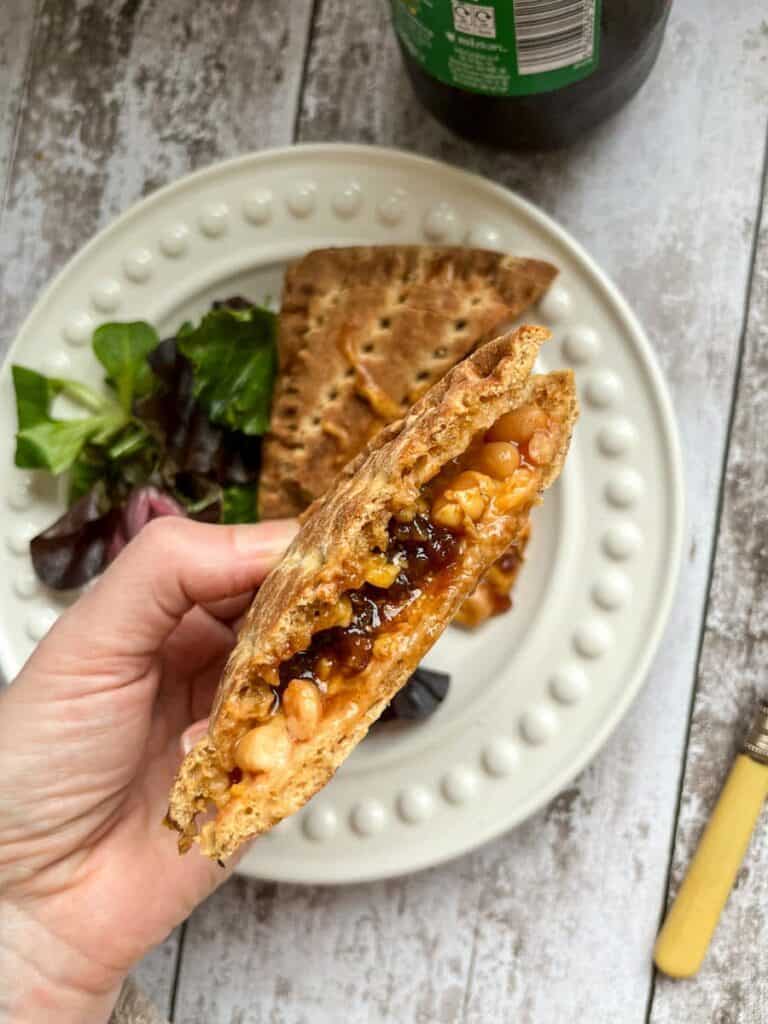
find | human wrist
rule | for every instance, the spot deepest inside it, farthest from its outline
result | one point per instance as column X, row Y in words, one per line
column 44, row 980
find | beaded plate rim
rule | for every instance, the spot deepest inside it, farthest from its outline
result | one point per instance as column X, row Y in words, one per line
column 350, row 833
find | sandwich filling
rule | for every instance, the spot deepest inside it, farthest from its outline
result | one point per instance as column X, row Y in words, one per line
column 497, row 478
column 492, row 595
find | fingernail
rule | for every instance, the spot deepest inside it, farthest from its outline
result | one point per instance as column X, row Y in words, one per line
column 193, row 734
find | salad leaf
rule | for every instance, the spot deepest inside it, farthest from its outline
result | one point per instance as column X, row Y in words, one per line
column 178, row 434
column 238, row 504
column 200, row 496
column 34, row 395
column 35, row 392
column 129, row 442
column 74, row 549
column 80, row 544
column 421, row 696
column 144, row 504
column 192, row 443
column 43, row 442
column 122, row 349
column 237, row 304
column 234, row 358
column 89, row 467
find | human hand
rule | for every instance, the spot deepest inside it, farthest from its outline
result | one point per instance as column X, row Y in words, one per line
column 89, row 744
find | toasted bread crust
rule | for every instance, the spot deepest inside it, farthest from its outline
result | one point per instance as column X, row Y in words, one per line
column 364, row 331
column 325, row 560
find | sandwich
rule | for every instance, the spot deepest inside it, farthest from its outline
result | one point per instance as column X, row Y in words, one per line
column 364, row 332
column 379, row 568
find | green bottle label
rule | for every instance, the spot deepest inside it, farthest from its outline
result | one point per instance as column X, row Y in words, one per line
column 502, row 47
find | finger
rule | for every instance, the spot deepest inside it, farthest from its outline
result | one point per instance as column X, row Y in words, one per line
column 172, row 565
column 204, row 690
column 194, row 876
column 192, row 704
column 193, row 659
column 198, row 640
column 237, row 624
column 230, row 607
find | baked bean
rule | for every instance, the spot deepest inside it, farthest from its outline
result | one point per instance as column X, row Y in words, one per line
column 498, row 459
column 519, row 489
column 303, row 707
column 447, row 513
column 464, row 497
column 265, row 747
column 541, row 447
column 468, row 480
column 471, row 490
column 518, row 425
column 256, row 704
column 473, row 503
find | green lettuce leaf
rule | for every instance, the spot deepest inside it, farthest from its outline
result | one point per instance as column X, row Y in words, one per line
column 238, row 504
column 122, row 349
column 43, row 442
column 86, row 471
column 234, row 358
column 130, row 441
column 35, row 393
column 56, row 444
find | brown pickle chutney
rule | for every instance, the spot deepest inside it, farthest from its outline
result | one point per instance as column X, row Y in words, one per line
column 422, row 549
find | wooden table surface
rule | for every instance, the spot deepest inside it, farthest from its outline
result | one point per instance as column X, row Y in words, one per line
column 102, row 101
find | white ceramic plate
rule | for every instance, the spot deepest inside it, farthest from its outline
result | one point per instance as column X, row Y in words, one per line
column 534, row 693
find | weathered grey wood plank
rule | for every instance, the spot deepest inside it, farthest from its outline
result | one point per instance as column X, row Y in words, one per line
column 559, row 917
column 125, row 96
column 16, row 28
column 156, row 973
column 121, row 97
column 733, row 674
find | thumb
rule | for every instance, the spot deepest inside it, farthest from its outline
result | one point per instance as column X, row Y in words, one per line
column 171, row 566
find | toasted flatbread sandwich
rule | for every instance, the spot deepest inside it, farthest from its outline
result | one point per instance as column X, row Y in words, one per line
column 364, row 331
column 379, row 568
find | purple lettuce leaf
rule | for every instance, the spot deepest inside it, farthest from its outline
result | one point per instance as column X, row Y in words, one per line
column 82, row 542
column 143, row 505
column 74, row 549
column 193, row 444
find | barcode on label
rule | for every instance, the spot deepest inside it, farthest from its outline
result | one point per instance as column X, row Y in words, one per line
column 553, row 33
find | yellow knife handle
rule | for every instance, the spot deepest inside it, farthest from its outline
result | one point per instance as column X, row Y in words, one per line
column 683, row 941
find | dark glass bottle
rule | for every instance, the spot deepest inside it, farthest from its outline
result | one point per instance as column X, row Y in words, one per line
column 528, row 74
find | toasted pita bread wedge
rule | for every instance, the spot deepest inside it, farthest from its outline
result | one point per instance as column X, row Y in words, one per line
column 379, row 568
column 364, row 332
